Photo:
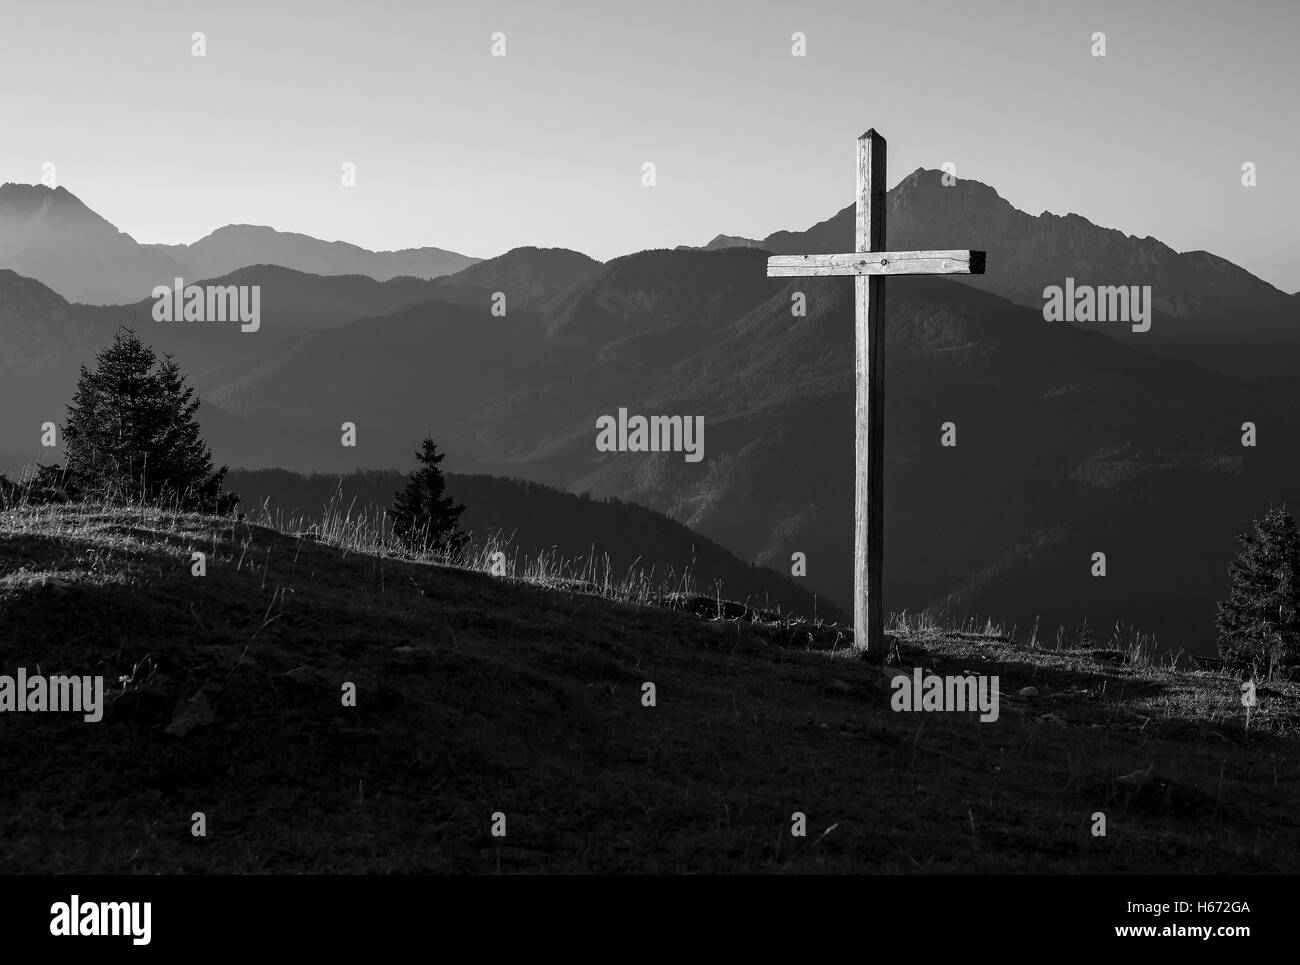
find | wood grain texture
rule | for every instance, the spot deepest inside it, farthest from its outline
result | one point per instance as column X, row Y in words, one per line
column 869, row 395
column 954, row 261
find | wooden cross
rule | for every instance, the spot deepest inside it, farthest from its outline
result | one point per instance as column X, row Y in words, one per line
column 868, row 266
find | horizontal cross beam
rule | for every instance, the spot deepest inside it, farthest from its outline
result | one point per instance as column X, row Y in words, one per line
column 953, row 262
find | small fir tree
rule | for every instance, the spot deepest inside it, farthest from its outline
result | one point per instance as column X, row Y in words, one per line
column 1259, row 623
column 131, row 431
column 423, row 515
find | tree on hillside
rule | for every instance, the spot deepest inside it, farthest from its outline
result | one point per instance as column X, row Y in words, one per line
column 131, row 431
column 1259, row 623
column 423, row 515
column 10, row 492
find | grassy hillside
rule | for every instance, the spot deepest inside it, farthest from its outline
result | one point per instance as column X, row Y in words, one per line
column 479, row 694
column 534, row 520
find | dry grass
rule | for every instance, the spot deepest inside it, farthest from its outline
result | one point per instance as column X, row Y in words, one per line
column 523, row 694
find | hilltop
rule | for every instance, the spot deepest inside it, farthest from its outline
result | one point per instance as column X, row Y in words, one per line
column 527, row 520
column 478, row 694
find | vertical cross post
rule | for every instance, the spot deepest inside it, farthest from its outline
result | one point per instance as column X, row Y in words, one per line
column 869, row 264
column 869, row 429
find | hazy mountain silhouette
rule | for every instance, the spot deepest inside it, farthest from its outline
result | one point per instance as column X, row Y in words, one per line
column 295, row 303
column 38, row 328
column 647, row 292
column 723, row 241
column 1207, row 310
column 433, row 363
column 49, row 234
column 237, row 246
column 42, row 341
column 44, row 331
column 530, row 277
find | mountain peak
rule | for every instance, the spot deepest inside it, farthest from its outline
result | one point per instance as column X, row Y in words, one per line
column 21, row 188
column 535, row 275
column 50, row 234
column 928, row 182
column 242, row 228
column 723, row 241
column 18, row 199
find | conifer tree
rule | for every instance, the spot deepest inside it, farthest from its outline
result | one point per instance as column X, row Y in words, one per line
column 1259, row 623
column 131, row 431
column 423, row 515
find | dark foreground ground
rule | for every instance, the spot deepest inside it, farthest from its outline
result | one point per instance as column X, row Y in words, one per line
column 478, row 695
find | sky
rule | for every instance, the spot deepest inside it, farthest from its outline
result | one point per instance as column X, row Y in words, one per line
column 462, row 150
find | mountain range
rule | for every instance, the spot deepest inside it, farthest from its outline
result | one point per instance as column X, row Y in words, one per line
column 48, row 233
column 237, row 246
column 1207, row 310
column 724, row 241
column 1072, row 439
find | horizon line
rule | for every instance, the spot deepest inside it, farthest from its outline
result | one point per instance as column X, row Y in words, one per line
column 38, row 185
